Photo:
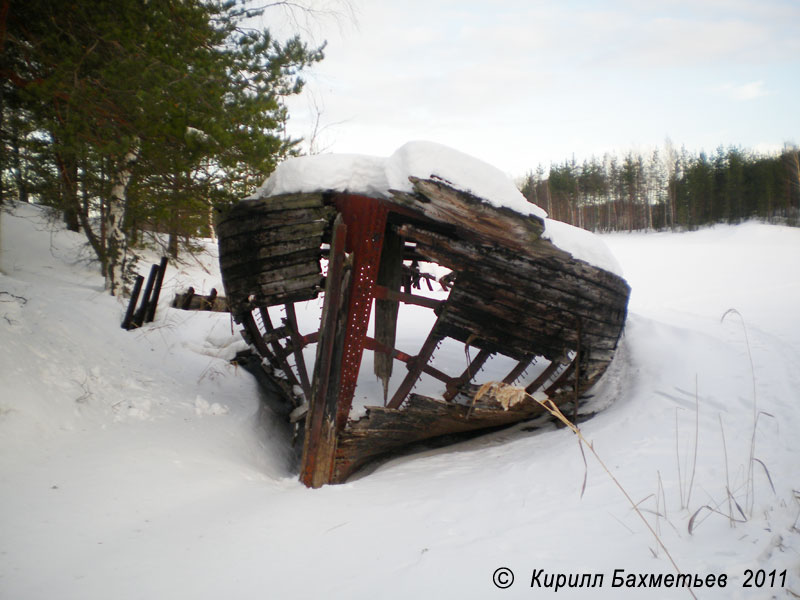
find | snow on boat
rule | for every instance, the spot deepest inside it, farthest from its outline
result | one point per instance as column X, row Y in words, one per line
column 370, row 235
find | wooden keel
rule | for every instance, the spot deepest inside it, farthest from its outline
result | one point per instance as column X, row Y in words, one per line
column 319, row 446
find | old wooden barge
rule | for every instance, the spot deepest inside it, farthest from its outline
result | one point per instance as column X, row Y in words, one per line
column 511, row 292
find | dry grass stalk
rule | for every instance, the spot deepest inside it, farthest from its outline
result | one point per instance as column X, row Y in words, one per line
column 750, row 497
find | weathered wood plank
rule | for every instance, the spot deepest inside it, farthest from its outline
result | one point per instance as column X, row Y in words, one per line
column 390, row 274
column 272, row 204
column 272, row 337
column 386, row 429
column 243, row 294
column 537, row 383
column 297, row 349
column 468, row 375
column 269, row 251
column 267, row 217
column 282, row 277
column 508, row 343
column 475, row 218
column 500, row 314
column 557, row 272
column 519, row 369
column 250, row 241
column 541, row 300
column 272, row 267
column 321, row 436
column 415, row 367
column 191, row 301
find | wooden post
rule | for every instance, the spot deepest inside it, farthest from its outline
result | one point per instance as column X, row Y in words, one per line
column 390, row 277
column 138, row 317
column 187, row 299
column 319, row 445
column 151, row 309
column 127, row 322
column 209, row 300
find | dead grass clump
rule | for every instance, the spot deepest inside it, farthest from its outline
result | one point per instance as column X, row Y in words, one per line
column 507, row 395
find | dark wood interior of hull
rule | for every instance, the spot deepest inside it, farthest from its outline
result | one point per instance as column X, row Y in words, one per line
column 511, row 292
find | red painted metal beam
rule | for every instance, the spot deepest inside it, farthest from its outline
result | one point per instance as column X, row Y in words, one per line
column 365, row 219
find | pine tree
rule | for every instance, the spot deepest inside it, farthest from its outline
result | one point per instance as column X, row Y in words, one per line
column 150, row 109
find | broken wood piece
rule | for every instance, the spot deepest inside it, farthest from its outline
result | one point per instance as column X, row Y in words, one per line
column 317, row 462
column 389, row 280
column 297, row 348
column 127, row 321
column 189, row 300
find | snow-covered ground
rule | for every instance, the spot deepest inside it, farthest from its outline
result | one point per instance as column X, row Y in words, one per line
column 142, row 465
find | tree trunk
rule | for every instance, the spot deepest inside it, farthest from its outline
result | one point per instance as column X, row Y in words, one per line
column 83, row 218
column 22, row 188
column 117, row 246
column 70, row 202
column 174, row 223
column 172, row 243
column 1, row 233
column 212, row 230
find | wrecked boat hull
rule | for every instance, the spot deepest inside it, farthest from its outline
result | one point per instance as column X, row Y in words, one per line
column 511, row 292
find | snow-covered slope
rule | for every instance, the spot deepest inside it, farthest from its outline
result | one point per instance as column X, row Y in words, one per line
column 141, row 464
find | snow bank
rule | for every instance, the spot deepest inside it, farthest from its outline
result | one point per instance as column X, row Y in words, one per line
column 142, row 465
column 376, row 176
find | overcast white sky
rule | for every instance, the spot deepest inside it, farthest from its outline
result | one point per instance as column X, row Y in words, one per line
column 522, row 82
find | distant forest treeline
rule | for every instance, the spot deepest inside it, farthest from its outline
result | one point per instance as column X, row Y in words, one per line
column 669, row 189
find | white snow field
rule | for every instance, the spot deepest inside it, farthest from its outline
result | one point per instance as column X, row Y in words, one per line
column 141, row 465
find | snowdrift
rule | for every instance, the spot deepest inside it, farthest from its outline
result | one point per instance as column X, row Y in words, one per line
column 144, row 465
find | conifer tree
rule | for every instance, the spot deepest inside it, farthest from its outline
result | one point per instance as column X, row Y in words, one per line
column 149, row 108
